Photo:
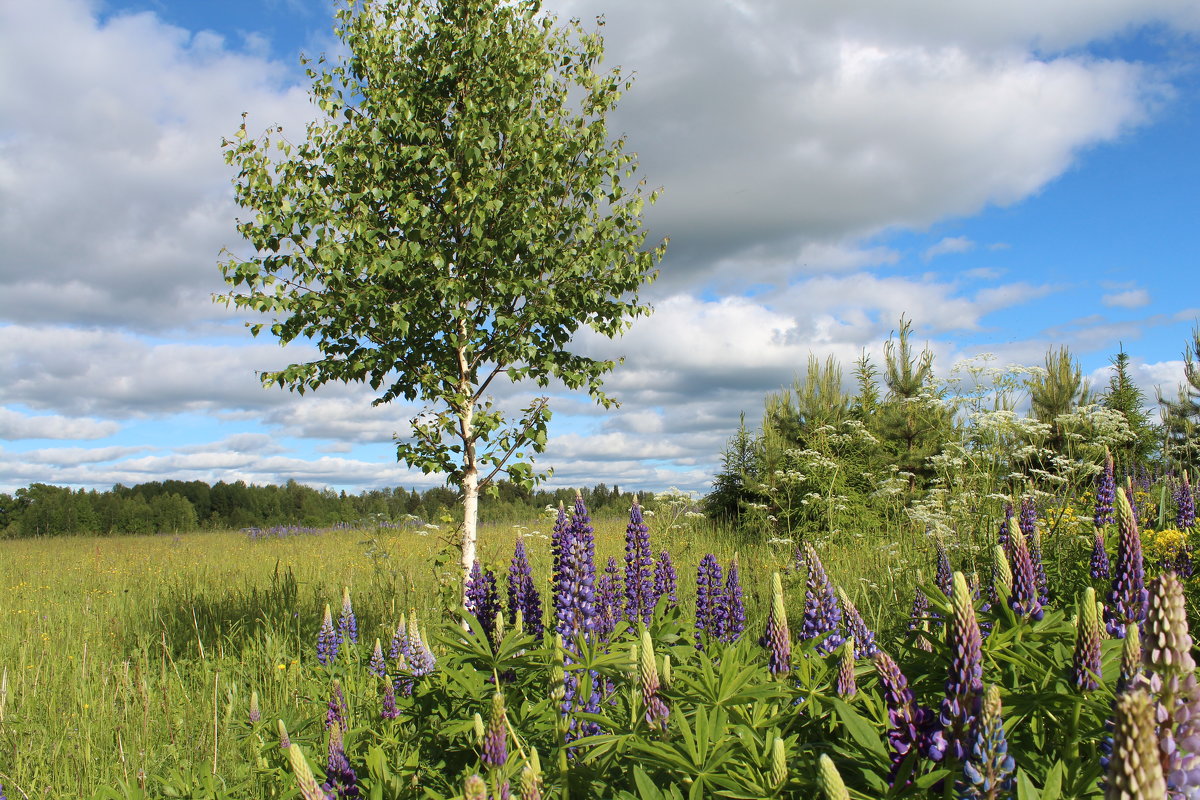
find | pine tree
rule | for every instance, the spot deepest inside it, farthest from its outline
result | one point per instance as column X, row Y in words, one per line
column 1124, row 397
column 1181, row 416
column 739, row 465
column 1059, row 391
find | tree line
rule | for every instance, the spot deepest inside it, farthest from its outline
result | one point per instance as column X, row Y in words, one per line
column 174, row 506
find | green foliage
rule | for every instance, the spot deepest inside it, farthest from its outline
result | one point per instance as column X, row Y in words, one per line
column 1124, row 397
column 456, row 215
column 1057, row 390
column 1181, row 416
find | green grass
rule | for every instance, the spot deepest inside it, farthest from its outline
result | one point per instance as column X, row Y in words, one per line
column 137, row 655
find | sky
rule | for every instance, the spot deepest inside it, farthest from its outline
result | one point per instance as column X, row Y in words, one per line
column 1009, row 176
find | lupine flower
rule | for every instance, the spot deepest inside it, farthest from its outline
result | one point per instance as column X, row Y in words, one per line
column 3, row 796
column 1185, row 505
column 1131, row 658
column 830, row 780
column 390, row 711
column 1133, row 509
column 1025, row 600
column 1099, row 566
column 943, row 575
column 523, row 597
column 822, row 615
column 558, row 537
column 608, row 604
column 575, row 596
column 377, row 666
column 910, row 727
column 347, row 623
column 328, row 640
column 1171, row 678
column 399, row 640
column 285, row 741
column 917, row 618
column 665, row 582
column 856, row 628
column 1106, row 492
column 1039, row 566
column 778, row 638
column 735, row 617
column 1135, row 772
column 255, row 714
column 710, row 600
column 531, row 778
column 964, row 684
column 846, row 686
column 335, row 710
column 779, row 768
column 474, row 788
column 640, row 596
column 1002, row 576
column 309, row 788
column 421, row 661
column 483, row 600
column 656, row 710
column 1028, row 518
column 1128, row 597
column 1085, row 664
column 340, row 780
column 1004, row 526
column 495, row 738
column 988, row 773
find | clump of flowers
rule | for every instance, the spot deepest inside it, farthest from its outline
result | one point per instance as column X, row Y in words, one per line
column 328, row 640
column 640, row 595
column 1185, row 504
column 822, row 615
column 710, row 600
column 1128, row 597
column 523, row 596
column 482, row 598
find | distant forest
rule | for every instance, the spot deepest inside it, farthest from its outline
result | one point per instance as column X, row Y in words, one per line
column 179, row 506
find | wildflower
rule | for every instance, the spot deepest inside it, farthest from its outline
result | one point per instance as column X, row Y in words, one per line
column 1106, row 489
column 1025, row 600
column 964, row 684
column 340, row 780
column 328, row 640
column 390, row 711
column 917, row 617
column 608, row 608
column 656, row 709
column 779, row 768
column 735, row 612
column 943, row 575
column 664, row 579
column 845, row 684
column 1004, row 526
column 474, row 788
column 910, row 727
column 335, row 711
column 856, row 628
column 778, row 638
column 574, row 596
column 347, row 623
column 421, row 661
column 1128, row 597
column 640, row 596
column 710, row 600
column 1185, row 504
column 531, row 777
column 482, row 599
column 399, row 644
column 523, row 597
column 1085, row 664
column 1099, row 565
column 1135, row 772
column 255, row 714
column 1131, row 658
column 377, row 666
column 285, row 741
column 558, row 539
column 830, row 780
column 988, row 773
column 822, row 616
column 1002, row 576
column 309, row 789
column 495, row 738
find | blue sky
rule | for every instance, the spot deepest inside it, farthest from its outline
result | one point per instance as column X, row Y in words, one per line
column 1009, row 176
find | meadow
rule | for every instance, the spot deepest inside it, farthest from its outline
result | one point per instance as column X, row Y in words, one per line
column 128, row 663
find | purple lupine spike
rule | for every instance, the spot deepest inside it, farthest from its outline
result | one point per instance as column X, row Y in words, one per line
column 709, row 600
column 845, row 686
column 665, row 581
column 399, row 644
column 340, row 781
column 608, row 607
column 856, row 628
column 1185, row 505
column 523, row 596
column 1025, row 600
column 910, row 727
column 347, row 622
column 495, row 738
column 964, row 683
column 1133, row 509
column 558, row 537
column 328, row 640
column 421, row 661
column 1085, row 662
column 735, row 610
column 778, row 637
column 822, row 615
column 943, row 577
column 575, row 593
column 917, row 619
column 390, row 711
column 1033, row 542
column 639, row 569
column 1004, row 526
column 1028, row 517
column 1128, row 597
column 335, row 709
column 1106, row 492
column 377, row 666
column 1099, row 567
column 483, row 600
column 989, row 772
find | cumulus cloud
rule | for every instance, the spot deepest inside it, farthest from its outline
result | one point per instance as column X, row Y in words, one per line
column 15, row 425
column 1134, row 298
column 948, row 245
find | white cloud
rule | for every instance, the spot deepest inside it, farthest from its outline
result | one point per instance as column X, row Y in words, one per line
column 1134, row 298
column 15, row 425
column 948, row 245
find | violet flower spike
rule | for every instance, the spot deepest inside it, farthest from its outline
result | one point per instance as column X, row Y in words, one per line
column 918, row 617
column 656, row 710
column 347, row 622
column 735, row 612
column 1099, row 568
column 1185, row 505
column 964, row 684
column 390, row 711
column 778, row 637
column 495, row 738
column 822, row 614
column 665, row 581
column 640, row 596
column 1025, row 600
column 377, row 666
column 856, row 628
column 341, row 783
column 1002, row 538
column 523, row 596
column 910, row 727
column 328, row 640
column 709, row 600
column 483, row 600
column 335, row 709
column 575, row 595
column 1128, row 596
column 845, row 685
column 988, row 774
column 943, row 575
column 608, row 606
column 558, row 539
column 1106, row 492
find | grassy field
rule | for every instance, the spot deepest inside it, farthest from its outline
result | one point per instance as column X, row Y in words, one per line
column 129, row 657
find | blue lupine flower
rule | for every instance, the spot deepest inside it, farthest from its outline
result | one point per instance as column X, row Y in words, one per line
column 1128, row 597
column 964, row 683
column 639, row 569
column 328, row 640
column 735, row 617
column 665, row 580
column 347, row 623
column 822, row 615
column 989, row 772
column 523, row 595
